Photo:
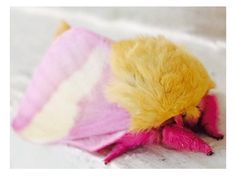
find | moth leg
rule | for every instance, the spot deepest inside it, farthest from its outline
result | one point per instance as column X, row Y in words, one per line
column 179, row 120
column 180, row 138
column 132, row 140
column 210, row 114
column 192, row 117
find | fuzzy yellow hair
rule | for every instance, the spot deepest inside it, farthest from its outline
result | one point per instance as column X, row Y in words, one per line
column 64, row 26
column 155, row 80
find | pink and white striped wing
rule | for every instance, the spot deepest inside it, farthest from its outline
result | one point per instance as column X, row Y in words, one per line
column 65, row 100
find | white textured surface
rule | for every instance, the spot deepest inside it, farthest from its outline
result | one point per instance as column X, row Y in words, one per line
column 31, row 34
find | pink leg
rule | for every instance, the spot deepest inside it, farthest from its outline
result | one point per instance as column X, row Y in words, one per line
column 131, row 141
column 209, row 117
column 180, row 138
column 179, row 120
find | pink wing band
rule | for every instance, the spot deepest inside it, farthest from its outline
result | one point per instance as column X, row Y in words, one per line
column 98, row 122
column 67, row 54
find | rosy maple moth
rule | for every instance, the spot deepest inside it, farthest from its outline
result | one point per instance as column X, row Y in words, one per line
column 92, row 93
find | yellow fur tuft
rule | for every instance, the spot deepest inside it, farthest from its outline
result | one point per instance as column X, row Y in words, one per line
column 64, row 26
column 155, row 80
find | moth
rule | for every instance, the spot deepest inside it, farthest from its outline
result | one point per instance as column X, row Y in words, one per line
column 94, row 93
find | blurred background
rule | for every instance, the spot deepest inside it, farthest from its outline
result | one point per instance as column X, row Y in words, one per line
column 208, row 22
column 202, row 30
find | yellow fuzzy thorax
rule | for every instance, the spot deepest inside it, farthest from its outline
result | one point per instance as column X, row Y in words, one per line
column 155, row 80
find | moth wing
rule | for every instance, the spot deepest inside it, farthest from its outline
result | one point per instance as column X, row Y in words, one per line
column 65, row 100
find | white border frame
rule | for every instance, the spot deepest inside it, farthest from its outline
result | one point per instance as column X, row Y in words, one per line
column 5, row 89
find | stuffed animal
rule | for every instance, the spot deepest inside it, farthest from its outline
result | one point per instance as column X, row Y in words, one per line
column 94, row 93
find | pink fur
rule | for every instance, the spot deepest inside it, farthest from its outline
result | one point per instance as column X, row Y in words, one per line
column 209, row 119
column 131, row 141
column 180, row 138
column 179, row 120
column 174, row 134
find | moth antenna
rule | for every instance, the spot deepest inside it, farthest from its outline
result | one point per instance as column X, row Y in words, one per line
column 64, row 26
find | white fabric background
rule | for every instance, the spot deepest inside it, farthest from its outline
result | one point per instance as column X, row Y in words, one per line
column 202, row 30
